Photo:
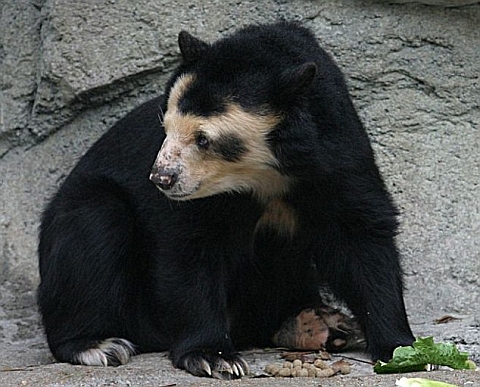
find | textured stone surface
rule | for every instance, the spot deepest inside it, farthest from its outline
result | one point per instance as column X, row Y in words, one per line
column 69, row 69
column 444, row 3
column 154, row 370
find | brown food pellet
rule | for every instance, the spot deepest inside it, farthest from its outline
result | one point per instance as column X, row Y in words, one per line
column 345, row 370
column 302, row 373
column 324, row 355
column 299, row 369
column 341, row 366
column 320, row 364
column 297, row 363
column 288, row 364
column 312, row 372
column 284, row 372
column 272, row 369
column 325, row 373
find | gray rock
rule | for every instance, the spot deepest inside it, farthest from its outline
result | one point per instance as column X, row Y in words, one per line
column 19, row 47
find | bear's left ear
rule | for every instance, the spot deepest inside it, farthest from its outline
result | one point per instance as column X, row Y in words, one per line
column 192, row 48
column 295, row 81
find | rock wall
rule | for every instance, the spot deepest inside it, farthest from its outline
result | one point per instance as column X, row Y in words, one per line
column 69, row 69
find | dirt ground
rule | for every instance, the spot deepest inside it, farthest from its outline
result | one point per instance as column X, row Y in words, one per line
column 26, row 361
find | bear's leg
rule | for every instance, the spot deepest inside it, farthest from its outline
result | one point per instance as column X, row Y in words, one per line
column 365, row 272
column 271, row 290
column 278, row 303
column 203, row 345
column 85, row 242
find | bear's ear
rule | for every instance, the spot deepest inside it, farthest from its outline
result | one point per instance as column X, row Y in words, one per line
column 295, row 81
column 192, row 49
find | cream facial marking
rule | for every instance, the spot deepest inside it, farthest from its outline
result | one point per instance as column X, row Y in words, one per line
column 231, row 155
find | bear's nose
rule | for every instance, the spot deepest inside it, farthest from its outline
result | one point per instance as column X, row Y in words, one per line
column 165, row 179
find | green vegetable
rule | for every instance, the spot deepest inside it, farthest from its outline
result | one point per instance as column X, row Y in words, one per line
column 422, row 352
column 419, row 382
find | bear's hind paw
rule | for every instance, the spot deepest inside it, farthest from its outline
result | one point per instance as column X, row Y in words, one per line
column 317, row 328
column 110, row 352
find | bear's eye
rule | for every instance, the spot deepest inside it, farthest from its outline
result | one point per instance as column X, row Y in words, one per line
column 202, row 141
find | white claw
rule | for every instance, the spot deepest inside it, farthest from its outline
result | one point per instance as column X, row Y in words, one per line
column 235, row 369
column 245, row 369
column 104, row 360
column 206, row 367
column 240, row 369
column 225, row 367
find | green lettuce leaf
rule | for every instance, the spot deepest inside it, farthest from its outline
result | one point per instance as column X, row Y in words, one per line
column 420, row 382
column 423, row 352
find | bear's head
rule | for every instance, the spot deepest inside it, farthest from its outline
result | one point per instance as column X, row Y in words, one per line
column 223, row 107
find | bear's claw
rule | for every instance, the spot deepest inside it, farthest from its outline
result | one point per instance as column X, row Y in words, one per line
column 214, row 365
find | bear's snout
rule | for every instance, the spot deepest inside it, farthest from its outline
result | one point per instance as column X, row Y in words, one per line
column 165, row 179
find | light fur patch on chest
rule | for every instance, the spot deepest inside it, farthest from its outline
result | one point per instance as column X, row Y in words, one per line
column 278, row 216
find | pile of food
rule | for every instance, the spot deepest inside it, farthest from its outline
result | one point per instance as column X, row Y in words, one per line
column 317, row 368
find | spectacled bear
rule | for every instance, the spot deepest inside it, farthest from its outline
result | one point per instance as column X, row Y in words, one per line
column 203, row 220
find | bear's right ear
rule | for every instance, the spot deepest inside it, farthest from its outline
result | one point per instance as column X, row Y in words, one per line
column 295, row 81
column 192, row 49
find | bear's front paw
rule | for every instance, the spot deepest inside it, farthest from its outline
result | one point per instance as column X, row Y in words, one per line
column 214, row 364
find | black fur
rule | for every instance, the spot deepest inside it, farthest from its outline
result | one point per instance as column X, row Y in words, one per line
column 117, row 259
column 230, row 148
